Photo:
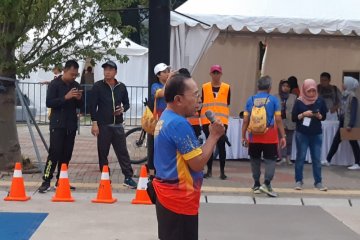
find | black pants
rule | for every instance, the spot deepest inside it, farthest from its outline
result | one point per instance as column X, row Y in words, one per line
column 335, row 145
column 114, row 135
column 221, row 148
column 60, row 151
column 150, row 155
column 197, row 130
column 173, row 226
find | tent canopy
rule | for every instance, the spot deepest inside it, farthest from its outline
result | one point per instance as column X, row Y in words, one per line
column 284, row 16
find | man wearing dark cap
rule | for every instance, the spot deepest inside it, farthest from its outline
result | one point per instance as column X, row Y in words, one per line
column 216, row 97
column 109, row 100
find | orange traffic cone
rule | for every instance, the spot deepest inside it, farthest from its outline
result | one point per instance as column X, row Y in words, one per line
column 63, row 193
column 104, row 193
column 17, row 190
column 142, row 196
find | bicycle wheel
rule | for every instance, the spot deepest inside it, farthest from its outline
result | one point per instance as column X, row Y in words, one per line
column 136, row 141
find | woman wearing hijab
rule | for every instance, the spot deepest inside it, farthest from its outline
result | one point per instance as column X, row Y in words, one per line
column 308, row 112
column 287, row 101
column 349, row 117
column 294, row 88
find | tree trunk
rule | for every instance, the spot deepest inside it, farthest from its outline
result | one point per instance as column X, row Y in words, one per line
column 9, row 142
column 10, row 151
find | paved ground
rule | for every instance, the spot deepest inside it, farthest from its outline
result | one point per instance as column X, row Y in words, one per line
column 228, row 209
column 241, row 220
column 84, row 172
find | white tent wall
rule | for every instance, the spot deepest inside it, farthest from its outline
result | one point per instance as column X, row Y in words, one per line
column 239, row 57
column 37, row 92
column 188, row 44
column 295, row 52
column 131, row 73
column 308, row 57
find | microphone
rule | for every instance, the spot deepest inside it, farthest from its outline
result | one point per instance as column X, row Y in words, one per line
column 211, row 117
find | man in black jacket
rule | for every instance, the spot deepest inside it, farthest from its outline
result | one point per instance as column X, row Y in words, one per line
column 64, row 96
column 109, row 100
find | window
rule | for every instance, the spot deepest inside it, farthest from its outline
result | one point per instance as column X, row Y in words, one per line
column 354, row 74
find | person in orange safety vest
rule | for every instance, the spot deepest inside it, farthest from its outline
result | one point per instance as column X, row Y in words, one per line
column 216, row 97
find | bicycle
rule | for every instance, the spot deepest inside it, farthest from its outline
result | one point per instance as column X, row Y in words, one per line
column 136, row 141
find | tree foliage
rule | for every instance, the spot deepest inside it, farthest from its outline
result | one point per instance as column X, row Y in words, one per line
column 42, row 33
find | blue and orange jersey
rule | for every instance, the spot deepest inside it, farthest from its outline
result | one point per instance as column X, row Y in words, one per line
column 273, row 109
column 160, row 102
column 177, row 186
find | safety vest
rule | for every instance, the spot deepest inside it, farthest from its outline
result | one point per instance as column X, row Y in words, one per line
column 218, row 105
column 194, row 120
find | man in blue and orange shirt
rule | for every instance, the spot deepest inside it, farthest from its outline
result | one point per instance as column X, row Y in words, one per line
column 264, row 145
column 179, row 160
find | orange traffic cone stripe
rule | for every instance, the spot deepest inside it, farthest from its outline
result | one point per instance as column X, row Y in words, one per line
column 104, row 193
column 17, row 189
column 63, row 193
column 142, row 196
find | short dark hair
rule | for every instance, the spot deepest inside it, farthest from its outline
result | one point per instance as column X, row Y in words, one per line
column 89, row 69
column 71, row 63
column 176, row 85
column 185, row 72
column 325, row 74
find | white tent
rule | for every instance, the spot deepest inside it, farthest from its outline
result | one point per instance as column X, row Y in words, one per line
column 304, row 38
column 132, row 73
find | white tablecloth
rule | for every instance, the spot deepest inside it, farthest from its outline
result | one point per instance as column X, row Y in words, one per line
column 344, row 155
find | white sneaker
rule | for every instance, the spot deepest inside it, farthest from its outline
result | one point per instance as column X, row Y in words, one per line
column 326, row 164
column 354, row 167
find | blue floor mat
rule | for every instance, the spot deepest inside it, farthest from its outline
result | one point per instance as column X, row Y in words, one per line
column 19, row 226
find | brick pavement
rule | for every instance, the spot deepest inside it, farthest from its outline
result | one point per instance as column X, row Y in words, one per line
column 84, row 170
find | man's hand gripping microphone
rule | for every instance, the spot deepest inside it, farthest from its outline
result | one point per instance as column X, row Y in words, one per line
column 211, row 117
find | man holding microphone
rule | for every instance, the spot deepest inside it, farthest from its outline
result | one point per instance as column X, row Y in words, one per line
column 179, row 160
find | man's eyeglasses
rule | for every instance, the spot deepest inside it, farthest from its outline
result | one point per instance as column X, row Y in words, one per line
column 195, row 95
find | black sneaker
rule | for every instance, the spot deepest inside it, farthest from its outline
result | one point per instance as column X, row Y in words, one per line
column 256, row 189
column 223, row 176
column 129, row 182
column 208, row 175
column 71, row 187
column 45, row 187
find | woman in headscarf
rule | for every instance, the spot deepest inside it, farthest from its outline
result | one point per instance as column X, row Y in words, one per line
column 294, row 88
column 349, row 117
column 308, row 112
column 287, row 101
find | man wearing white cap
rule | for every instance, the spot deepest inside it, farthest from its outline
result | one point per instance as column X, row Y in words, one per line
column 161, row 72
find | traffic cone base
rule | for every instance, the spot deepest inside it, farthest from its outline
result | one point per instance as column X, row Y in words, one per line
column 104, row 193
column 63, row 193
column 17, row 189
column 141, row 196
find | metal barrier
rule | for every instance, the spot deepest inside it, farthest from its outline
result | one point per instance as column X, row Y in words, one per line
column 35, row 93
